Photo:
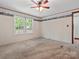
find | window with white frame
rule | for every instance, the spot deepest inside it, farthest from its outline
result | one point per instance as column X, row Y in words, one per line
column 23, row 25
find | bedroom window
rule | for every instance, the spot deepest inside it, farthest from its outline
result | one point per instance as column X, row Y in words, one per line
column 23, row 25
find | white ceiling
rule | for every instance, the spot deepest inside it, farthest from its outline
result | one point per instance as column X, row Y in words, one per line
column 56, row 6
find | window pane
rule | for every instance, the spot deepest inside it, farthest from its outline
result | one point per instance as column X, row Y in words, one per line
column 29, row 25
column 19, row 24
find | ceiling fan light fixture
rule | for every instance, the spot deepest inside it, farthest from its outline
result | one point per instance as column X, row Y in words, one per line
column 40, row 9
column 41, row 4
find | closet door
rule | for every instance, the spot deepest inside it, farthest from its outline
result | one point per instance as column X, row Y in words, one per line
column 76, row 28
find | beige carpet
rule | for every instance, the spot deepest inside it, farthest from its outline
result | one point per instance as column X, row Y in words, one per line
column 38, row 49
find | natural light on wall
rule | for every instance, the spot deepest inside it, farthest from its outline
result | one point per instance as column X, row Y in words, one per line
column 22, row 25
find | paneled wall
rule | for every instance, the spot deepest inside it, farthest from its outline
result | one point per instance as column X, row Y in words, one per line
column 58, row 29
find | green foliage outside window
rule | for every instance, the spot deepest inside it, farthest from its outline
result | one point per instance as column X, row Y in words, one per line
column 23, row 23
column 19, row 23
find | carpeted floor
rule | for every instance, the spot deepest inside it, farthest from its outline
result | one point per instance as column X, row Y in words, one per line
column 38, row 49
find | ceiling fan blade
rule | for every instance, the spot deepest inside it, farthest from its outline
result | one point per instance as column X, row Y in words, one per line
column 34, row 7
column 45, row 7
column 46, row 1
column 34, row 2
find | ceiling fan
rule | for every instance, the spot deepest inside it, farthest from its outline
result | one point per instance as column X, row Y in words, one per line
column 40, row 4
